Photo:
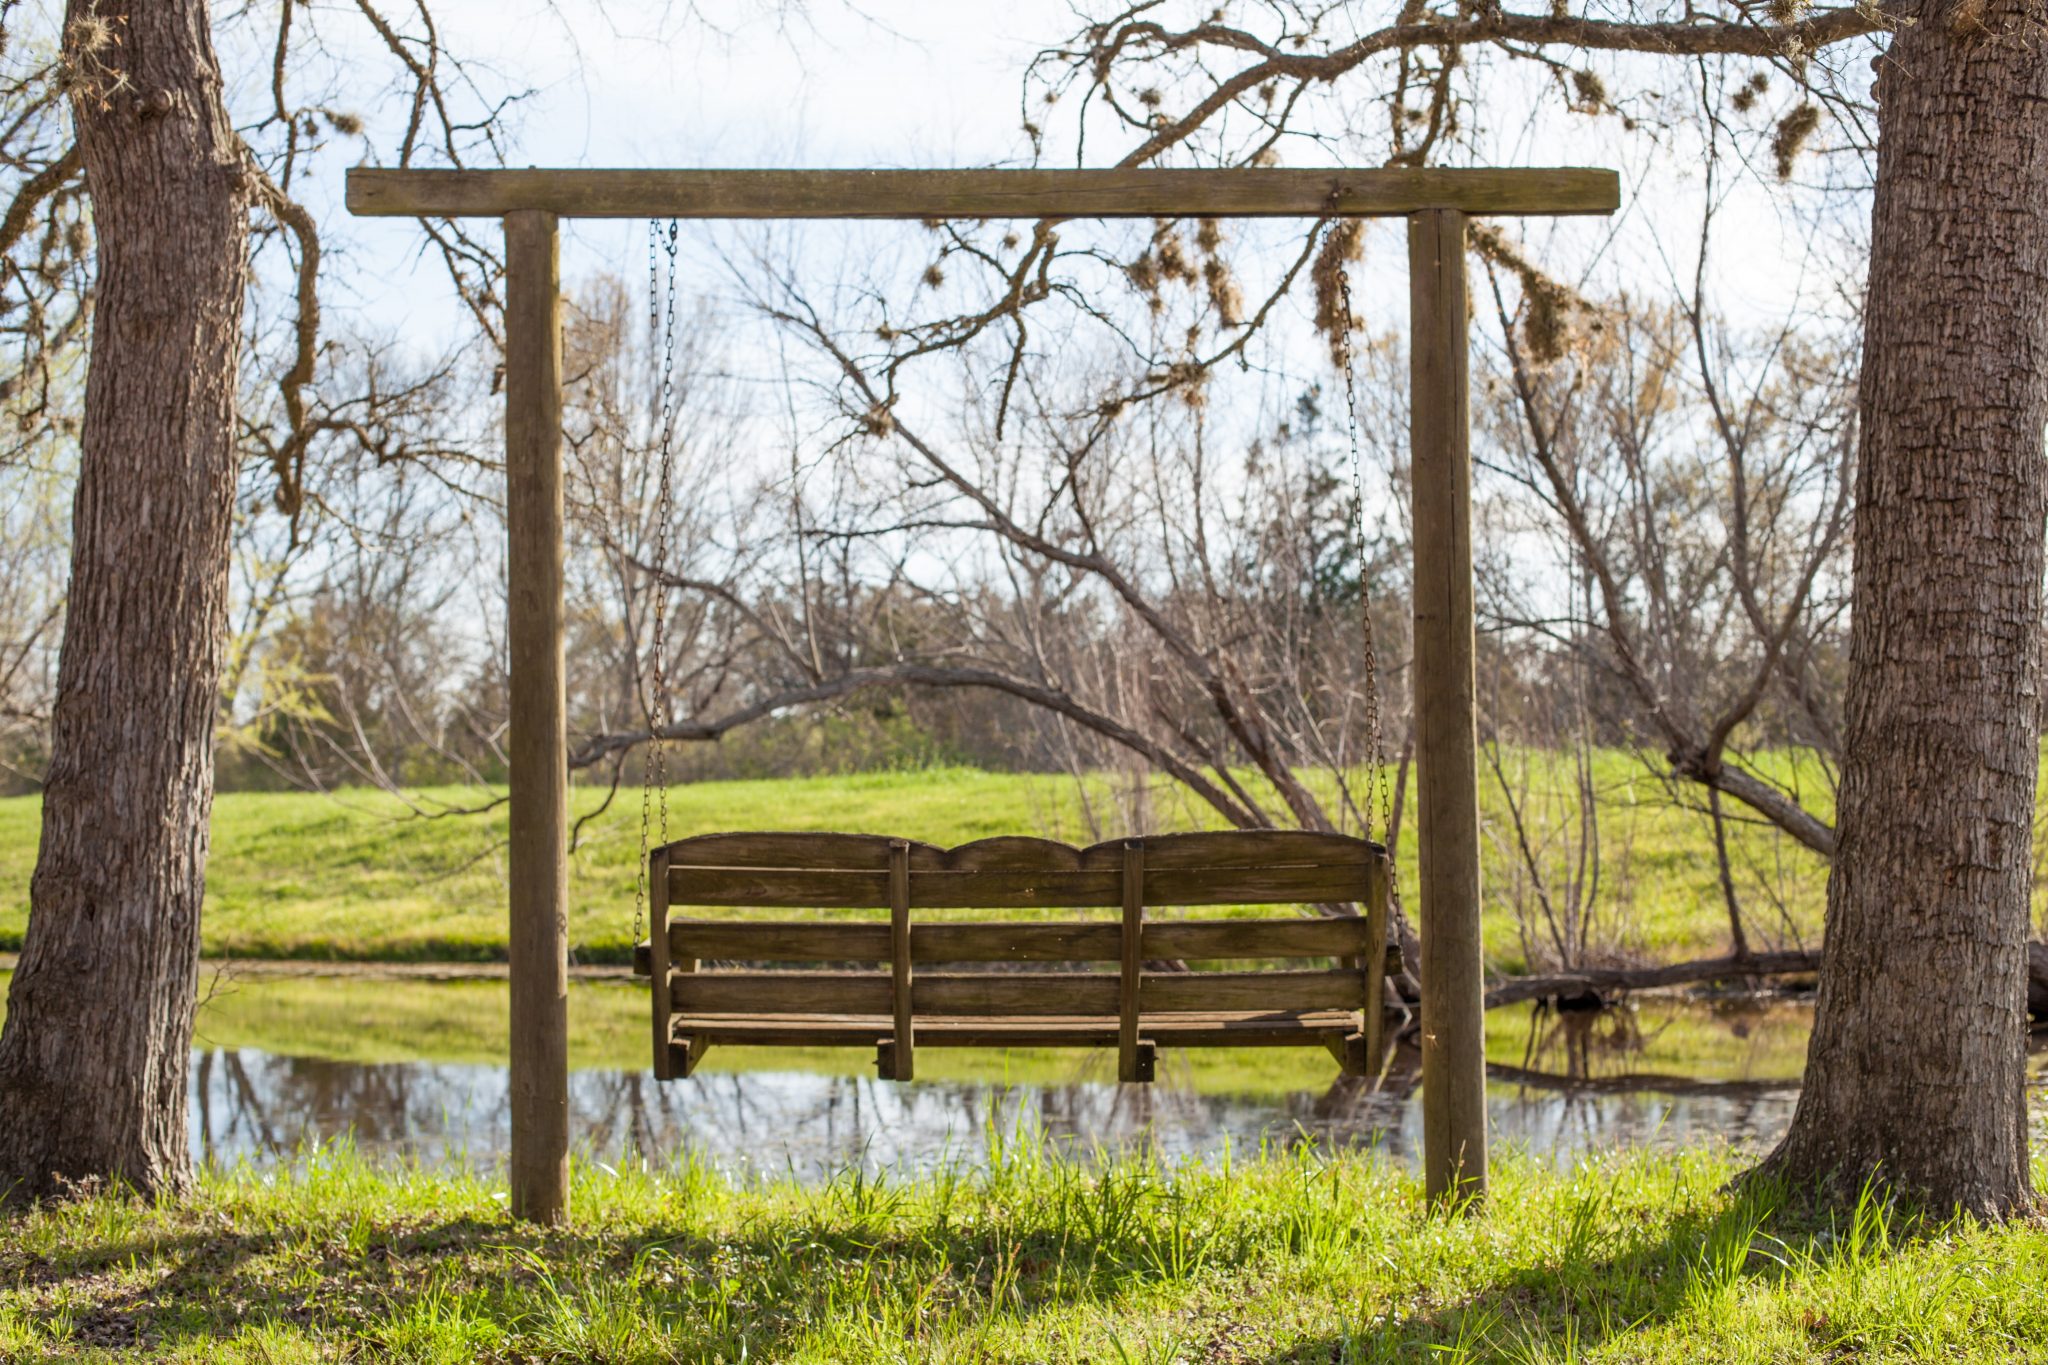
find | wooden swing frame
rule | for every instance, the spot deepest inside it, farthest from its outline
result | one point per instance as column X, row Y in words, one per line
column 1436, row 203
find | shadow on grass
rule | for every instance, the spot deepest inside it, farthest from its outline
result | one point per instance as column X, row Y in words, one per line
column 844, row 1270
column 1693, row 1267
column 439, row 1289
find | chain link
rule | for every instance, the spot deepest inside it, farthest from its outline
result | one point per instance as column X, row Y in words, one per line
column 661, row 327
column 1382, row 790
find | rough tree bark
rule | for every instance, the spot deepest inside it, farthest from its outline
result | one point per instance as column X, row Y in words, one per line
column 93, row 1058
column 1916, row 1069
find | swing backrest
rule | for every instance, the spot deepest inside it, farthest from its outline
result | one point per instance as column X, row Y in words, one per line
column 884, row 978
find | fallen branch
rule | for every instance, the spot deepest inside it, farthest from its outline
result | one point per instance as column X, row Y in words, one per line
column 1608, row 981
column 1637, row 1083
column 1604, row 981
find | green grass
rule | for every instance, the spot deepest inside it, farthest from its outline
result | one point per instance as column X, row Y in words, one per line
column 1271, row 1258
column 358, row 875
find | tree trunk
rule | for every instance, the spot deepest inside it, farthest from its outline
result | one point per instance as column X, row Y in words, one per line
column 99, row 1025
column 1916, row 1070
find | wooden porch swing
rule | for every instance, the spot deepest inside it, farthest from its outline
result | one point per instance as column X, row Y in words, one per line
column 978, row 996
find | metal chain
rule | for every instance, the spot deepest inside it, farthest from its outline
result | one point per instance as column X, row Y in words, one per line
column 1382, row 786
column 661, row 328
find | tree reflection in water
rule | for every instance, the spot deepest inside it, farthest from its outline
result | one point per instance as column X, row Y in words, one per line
column 1581, row 1082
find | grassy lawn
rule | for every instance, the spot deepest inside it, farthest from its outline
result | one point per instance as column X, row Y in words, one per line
column 1271, row 1258
column 360, row 875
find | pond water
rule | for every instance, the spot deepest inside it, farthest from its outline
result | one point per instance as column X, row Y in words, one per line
column 414, row 1070
column 410, row 1070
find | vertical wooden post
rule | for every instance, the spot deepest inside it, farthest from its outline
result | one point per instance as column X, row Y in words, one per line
column 658, row 963
column 538, row 752
column 1130, row 1059
column 1374, row 963
column 903, row 1053
column 1447, row 780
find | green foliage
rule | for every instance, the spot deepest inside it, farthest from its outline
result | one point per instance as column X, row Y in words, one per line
column 1295, row 1256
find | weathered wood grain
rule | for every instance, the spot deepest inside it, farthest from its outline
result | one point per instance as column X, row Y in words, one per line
column 924, row 194
column 1020, row 941
column 1447, row 784
column 1206, row 940
column 1269, row 1028
column 1166, row 993
column 659, row 946
column 1376, row 916
column 903, row 1053
column 1238, row 848
column 1023, row 994
column 964, row 993
column 1131, row 972
column 537, row 938
column 1246, row 848
column 1009, row 889
column 795, row 848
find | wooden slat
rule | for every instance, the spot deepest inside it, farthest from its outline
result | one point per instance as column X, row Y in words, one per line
column 921, row 194
column 902, row 1057
column 796, row 848
column 1205, row 940
column 814, row 941
column 1131, row 973
column 784, row 940
column 1016, row 942
column 1007, row 890
column 782, row 993
column 659, row 944
column 870, row 852
column 1243, row 848
column 1376, row 914
column 1021, row 940
column 1173, row 992
column 1271, row 1028
column 1020, row 853
column 1015, row 993
column 968, row 993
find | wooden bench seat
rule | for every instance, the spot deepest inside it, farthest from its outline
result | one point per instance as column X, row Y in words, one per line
column 1243, row 1028
column 999, row 983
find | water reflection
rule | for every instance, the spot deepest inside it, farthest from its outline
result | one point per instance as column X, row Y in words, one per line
column 264, row 1106
column 1561, row 1085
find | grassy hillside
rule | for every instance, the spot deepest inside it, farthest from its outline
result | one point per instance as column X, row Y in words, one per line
column 362, row 875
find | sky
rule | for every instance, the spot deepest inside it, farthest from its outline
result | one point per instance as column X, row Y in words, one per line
column 905, row 83
column 933, row 83
column 902, row 83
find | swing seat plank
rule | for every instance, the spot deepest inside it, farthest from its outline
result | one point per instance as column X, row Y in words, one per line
column 861, row 982
column 1015, row 941
column 1263, row 1028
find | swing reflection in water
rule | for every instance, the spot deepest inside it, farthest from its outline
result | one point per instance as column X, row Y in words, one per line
column 1677, row 1071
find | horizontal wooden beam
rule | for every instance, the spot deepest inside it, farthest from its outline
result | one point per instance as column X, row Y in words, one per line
column 1226, row 193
